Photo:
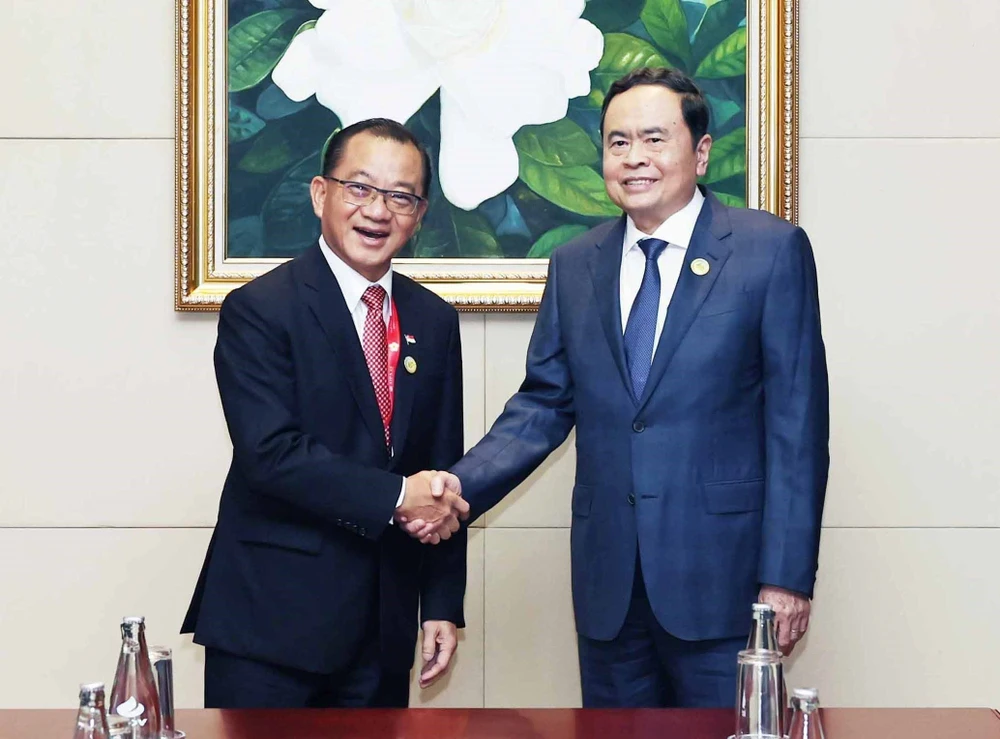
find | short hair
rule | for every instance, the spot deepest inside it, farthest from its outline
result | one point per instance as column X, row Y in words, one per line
column 382, row 128
column 694, row 107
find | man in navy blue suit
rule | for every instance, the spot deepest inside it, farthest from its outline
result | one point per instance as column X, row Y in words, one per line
column 340, row 380
column 682, row 341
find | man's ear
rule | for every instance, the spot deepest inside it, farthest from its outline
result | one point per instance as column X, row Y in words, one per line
column 702, row 152
column 317, row 193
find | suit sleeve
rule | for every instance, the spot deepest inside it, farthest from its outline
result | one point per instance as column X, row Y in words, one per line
column 443, row 574
column 255, row 374
column 535, row 421
column 796, row 420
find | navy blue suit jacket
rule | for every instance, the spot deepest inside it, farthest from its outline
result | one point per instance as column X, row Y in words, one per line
column 717, row 474
column 303, row 562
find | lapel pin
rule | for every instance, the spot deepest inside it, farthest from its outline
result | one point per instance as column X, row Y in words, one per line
column 700, row 267
column 394, row 346
column 409, row 339
column 410, row 365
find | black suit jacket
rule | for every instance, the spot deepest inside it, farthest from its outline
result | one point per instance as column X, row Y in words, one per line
column 304, row 566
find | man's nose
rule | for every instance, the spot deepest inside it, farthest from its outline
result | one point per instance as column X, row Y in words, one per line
column 636, row 156
column 376, row 209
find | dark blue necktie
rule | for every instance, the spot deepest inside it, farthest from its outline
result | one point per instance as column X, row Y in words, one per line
column 641, row 327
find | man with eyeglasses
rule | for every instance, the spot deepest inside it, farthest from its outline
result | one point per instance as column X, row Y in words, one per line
column 309, row 595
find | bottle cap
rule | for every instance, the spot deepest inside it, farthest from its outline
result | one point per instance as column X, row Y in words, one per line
column 91, row 687
column 134, row 620
column 806, row 694
column 762, row 608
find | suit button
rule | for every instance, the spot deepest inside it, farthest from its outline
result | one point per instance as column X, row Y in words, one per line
column 631, row 499
column 362, row 531
column 638, row 427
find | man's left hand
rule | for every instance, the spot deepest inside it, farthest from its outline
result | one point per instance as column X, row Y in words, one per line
column 791, row 615
column 440, row 643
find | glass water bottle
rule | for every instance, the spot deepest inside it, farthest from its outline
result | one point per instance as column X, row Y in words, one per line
column 91, row 719
column 134, row 693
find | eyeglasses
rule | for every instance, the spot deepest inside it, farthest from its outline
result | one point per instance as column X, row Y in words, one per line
column 358, row 193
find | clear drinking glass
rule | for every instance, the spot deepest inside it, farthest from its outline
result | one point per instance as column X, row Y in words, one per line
column 758, row 708
column 161, row 659
column 763, row 634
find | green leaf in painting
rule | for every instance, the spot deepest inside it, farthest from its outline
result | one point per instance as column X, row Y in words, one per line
column 563, row 143
column 612, row 15
column 270, row 152
column 243, row 124
column 694, row 11
column 548, row 241
column 622, row 54
column 576, row 189
column 728, row 59
column 733, row 201
column 728, row 157
column 667, row 25
column 322, row 151
column 539, row 214
column 244, row 239
column 719, row 22
column 722, row 110
column 255, row 45
column 735, row 185
column 305, row 27
column 450, row 232
column 273, row 104
column 290, row 225
column 475, row 237
column 427, row 243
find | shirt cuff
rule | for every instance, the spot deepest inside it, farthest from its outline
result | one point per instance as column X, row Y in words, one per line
column 399, row 500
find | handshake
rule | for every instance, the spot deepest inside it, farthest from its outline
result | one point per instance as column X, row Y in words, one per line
column 432, row 506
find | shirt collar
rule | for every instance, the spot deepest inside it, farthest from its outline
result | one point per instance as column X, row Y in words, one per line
column 352, row 284
column 676, row 230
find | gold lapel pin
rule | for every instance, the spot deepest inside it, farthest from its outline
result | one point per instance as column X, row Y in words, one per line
column 700, row 267
column 410, row 365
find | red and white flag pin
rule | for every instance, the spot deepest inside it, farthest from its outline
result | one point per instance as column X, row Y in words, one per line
column 409, row 339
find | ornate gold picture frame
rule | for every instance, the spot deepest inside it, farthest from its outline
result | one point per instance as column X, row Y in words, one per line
column 240, row 76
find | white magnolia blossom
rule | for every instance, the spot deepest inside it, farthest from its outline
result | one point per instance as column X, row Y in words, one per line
column 500, row 64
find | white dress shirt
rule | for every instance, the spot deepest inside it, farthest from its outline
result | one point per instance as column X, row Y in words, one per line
column 353, row 285
column 676, row 231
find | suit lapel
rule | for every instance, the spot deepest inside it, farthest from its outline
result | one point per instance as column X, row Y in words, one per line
column 605, row 269
column 708, row 242
column 326, row 300
column 406, row 382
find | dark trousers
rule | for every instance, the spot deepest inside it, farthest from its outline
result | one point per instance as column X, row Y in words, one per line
column 237, row 682
column 646, row 667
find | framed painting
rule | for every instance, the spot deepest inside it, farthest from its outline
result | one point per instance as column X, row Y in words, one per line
column 506, row 95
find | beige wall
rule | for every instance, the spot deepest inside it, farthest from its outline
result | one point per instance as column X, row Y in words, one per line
column 113, row 446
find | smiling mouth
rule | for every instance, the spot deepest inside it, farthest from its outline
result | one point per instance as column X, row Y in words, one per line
column 638, row 181
column 372, row 235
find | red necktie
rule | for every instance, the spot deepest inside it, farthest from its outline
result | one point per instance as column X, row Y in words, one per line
column 376, row 352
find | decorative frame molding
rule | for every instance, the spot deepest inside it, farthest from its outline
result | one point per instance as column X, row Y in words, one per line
column 494, row 285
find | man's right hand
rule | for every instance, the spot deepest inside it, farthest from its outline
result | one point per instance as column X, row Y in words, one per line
column 436, row 516
column 442, row 484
